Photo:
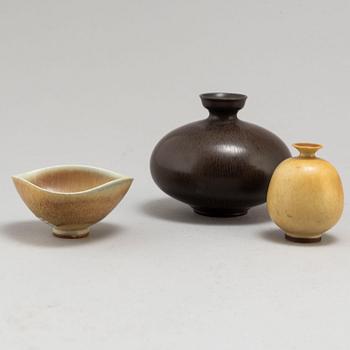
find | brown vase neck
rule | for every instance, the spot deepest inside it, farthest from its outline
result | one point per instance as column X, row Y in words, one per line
column 307, row 150
column 219, row 115
column 223, row 106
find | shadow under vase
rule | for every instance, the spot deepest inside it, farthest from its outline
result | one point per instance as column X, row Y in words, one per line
column 169, row 209
column 276, row 235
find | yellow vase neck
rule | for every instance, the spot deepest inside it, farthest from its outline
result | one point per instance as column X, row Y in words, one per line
column 307, row 150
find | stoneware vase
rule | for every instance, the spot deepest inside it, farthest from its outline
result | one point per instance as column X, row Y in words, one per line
column 71, row 198
column 305, row 197
column 221, row 165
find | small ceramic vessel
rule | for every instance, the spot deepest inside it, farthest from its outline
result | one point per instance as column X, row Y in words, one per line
column 305, row 196
column 220, row 165
column 71, row 198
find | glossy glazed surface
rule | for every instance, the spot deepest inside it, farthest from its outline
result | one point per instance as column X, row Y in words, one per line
column 71, row 198
column 220, row 166
column 305, row 196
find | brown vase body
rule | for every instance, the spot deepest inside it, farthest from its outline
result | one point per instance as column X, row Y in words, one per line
column 220, row 166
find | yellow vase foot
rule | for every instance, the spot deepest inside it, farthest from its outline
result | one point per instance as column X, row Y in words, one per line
column 303, row 239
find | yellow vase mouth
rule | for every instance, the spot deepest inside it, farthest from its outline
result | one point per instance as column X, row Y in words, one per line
column 307, row 149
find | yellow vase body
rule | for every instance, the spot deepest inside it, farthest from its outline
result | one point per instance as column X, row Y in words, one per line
column 305, row 196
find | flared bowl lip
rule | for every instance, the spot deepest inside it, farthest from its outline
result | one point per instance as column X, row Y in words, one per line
column 223, row 96
column 118, row 178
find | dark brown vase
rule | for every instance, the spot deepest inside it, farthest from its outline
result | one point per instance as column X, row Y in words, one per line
column 220, row 166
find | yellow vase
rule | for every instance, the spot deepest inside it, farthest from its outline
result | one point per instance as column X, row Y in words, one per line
column 305, row 196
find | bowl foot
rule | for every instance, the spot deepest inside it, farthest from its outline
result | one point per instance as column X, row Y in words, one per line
column 70, row 234
column 303, row 239
column 223, row 213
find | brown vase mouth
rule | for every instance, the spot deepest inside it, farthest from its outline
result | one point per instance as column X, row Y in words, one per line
column 223, row 101
column 224, row 96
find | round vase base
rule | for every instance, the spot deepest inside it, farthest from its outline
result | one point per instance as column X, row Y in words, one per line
column 303, row 239
column 220, row 213
column 70, row 234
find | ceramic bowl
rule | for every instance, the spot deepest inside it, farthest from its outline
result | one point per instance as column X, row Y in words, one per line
column 71, row 198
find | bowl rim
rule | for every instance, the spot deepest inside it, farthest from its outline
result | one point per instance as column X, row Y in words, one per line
column 118, row 178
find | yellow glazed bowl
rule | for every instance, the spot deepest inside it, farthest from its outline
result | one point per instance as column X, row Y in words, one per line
column 71, row 198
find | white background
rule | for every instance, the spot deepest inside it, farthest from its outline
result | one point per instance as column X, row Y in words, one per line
column 99, row 83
